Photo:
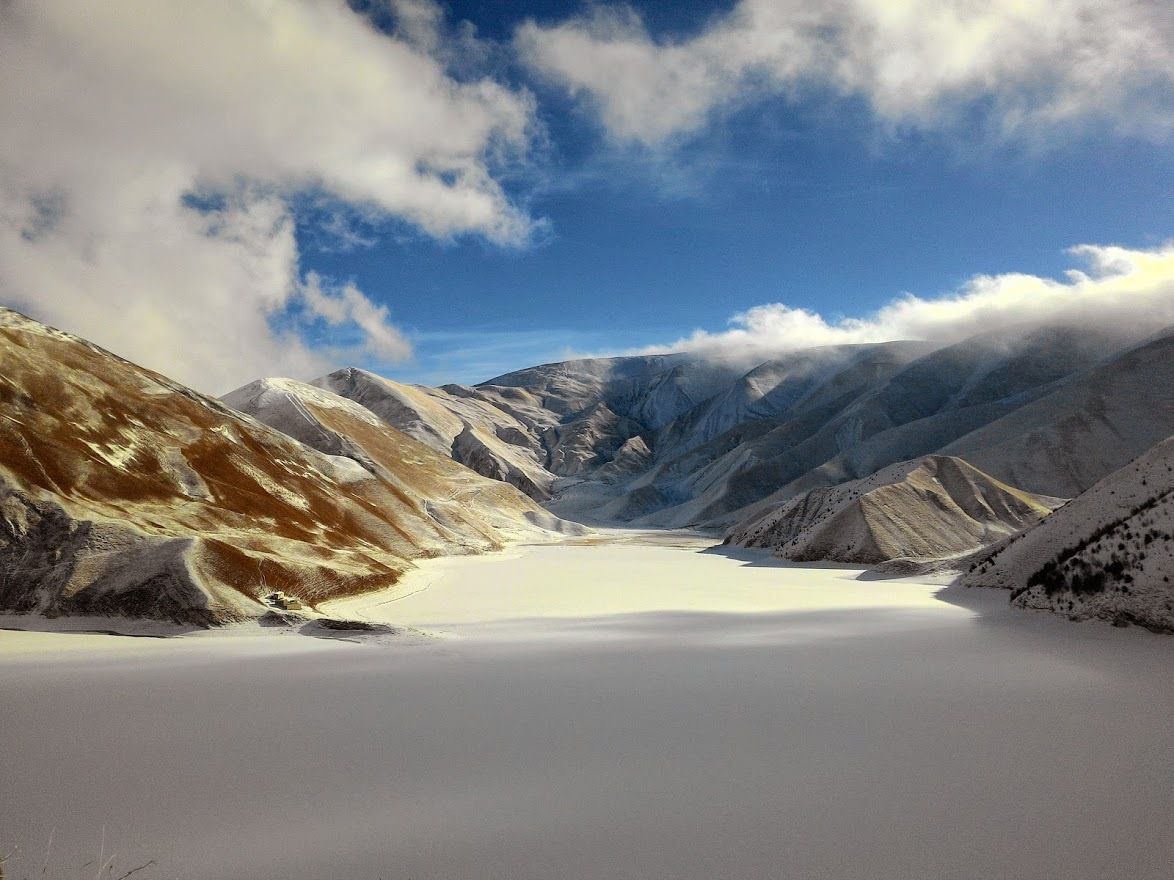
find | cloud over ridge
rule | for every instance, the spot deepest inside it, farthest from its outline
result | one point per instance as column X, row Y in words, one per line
column 1118, row 288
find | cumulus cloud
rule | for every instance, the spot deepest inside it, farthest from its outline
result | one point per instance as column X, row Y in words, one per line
column 915, row 62
column 150, row 152
column 1118, row 288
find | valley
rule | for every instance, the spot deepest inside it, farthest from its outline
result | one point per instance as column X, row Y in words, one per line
column 648, row 617
column 600, row 440
column 125, row 494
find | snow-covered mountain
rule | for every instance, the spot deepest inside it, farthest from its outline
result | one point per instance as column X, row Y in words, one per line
column 452, row 495
column 1033, row 411
column 934, row 507
column 122, row 492
column 532, row 427
column 1108, row 553
column 676, row 440
column 455, row 422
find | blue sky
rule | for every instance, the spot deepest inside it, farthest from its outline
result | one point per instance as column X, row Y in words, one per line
column 444, row 191
column 802, row 202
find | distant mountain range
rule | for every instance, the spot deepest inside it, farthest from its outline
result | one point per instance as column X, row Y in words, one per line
column 677, row 441
column 124, row 492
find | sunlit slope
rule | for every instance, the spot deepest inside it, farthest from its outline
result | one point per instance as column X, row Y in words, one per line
column 934, row 507
column 454, row 422
column 475, row 509
column 126, row 493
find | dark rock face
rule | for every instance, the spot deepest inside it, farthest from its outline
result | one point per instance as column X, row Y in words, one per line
column 45, row 554
column 39, row 544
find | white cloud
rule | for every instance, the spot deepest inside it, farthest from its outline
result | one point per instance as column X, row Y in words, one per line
column 348, row 304
column 420, row 22
column 916, row 62
column 1131, row 291
column 149, row 150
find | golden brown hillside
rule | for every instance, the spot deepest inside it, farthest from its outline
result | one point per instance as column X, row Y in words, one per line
column 124, row 492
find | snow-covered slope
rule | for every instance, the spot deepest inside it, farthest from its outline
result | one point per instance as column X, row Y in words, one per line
column 472, row 505
column 650, row 389
column 1050, row 411
column 1085, row 427
column 122, row 492
column 455, row 422
column 678, row 441
column 1108, row 553
column 785, row 388
column 934, row 507
column 554, row 420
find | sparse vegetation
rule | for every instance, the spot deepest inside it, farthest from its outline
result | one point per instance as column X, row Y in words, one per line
column 1069, row 571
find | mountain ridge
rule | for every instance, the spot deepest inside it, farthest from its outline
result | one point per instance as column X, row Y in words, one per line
column 933, row 507
column 124, row 492
column 1047, row 409
column 864, row 453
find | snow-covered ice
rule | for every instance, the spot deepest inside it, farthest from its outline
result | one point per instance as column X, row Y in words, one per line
column 620, row 707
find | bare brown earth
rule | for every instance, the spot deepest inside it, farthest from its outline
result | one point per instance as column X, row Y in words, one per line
column 123, row 492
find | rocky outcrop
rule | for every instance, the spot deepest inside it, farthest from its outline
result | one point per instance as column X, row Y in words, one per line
column 53, row 564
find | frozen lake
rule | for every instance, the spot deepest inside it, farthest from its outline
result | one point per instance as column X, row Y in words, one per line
column 633, row 707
